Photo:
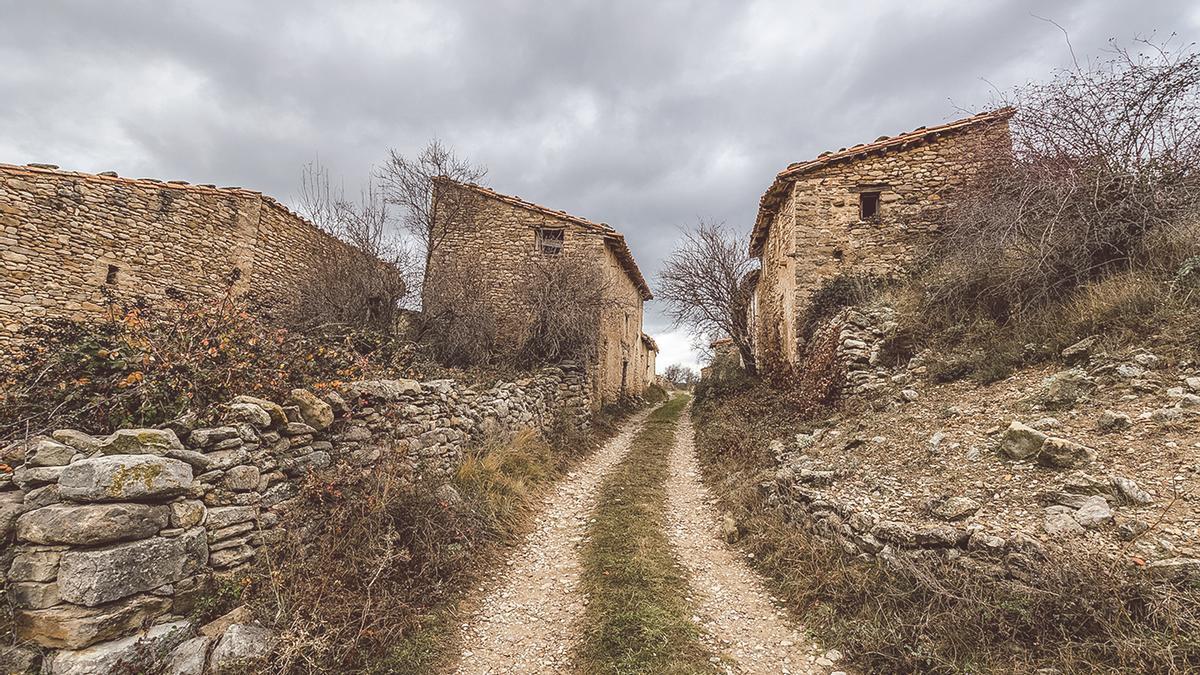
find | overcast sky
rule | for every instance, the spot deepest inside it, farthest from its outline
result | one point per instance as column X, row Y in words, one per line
column 643, row 114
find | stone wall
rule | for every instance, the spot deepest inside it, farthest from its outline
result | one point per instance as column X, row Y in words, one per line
column 71, row 241
column 103, row 536
column 810, row 229
column 493, row 245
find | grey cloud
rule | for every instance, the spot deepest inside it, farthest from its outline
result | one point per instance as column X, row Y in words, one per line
column 644, row 115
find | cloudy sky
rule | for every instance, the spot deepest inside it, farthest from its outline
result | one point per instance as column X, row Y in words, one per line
column 643, row 114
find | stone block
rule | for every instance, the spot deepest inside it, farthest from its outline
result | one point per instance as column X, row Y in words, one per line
column 1063, row 454
column 74, row 627
column 97, row 576
column 138, row 653
column 91, row 524
column 1021, row 441
column 316, row 413
column 34, row 565
column 188, row 513
column 125, row 478
column 224, row 516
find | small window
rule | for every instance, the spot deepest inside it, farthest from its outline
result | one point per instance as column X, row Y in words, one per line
column 868, row 205
column 110, row 277
column 550, row 240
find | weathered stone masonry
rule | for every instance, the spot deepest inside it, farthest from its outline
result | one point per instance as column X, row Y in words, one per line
column 811, row 228
column 497, row 241
column 104, row 535
column 69, row 239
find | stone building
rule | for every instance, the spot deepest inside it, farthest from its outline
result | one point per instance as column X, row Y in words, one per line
column 869, row 210
column 70, row 242
column 500, row 238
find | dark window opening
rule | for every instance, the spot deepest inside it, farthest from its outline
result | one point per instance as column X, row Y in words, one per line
column 868, row 205
column 111, row 277
column 550, row 240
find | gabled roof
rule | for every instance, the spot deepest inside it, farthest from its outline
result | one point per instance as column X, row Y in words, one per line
column 611, row 236
column 774, row 195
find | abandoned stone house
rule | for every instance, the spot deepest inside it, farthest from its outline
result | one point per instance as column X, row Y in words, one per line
column 870, row 209
column 500, row 238
column 73, row 242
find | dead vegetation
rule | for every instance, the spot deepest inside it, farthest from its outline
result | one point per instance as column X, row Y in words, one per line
column 374, row 566
column 1078, row 612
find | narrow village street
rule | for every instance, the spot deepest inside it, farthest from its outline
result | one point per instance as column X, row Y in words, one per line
column 530, row 614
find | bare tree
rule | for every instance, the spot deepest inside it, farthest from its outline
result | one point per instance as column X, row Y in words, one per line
column 1105, row 177
column 362, row 282
column 680, row 375
column 412, row 184
column 567, row 299
column 456, row 320
column 703, row 284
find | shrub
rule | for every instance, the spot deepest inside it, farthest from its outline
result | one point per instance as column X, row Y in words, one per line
column 835, row 294
column 144, row 366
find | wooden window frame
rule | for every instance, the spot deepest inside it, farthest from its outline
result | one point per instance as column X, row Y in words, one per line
column 552, row 245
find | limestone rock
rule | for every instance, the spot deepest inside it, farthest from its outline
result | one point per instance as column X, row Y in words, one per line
column 223, row 516
column 75, row 627
column 278, row 416
column 241, row 644
column 894, row 532
column 43, row 451
column 82, row 442
column 1128, row 491
column 956, row 508
column 96, row 576
column 1094, row 513
column 1060, row 522
column 91, row 524
column 316, row 413
column 125, row 477
column 1020, row 441
column 189, row 658
column 1178, row 569
column 1193, row 383
column 187, row 513
column 251, row 414
column 242, row 478
column 34, row 566
column 1113, row 421
column 1063, row 389
column 135, row 653
column 1080, row 351
column 33, row 595
column 217, row 627
column 1063, row 454
column 160, row 442
column 203, row 438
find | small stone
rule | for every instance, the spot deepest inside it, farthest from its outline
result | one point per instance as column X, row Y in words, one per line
column 316, row 413
column 136, row 653
column 1020, row 441
column 187, row 513
column 1060, row 522
column 75, row 627
column 1128, row 491
column 96, row 576
column 241, row 478
column 249, row 413
column 278, row 416
column 44, row 451
column 1080, row 351
column 1094, row 513
column 1113, row 421
column 956, row 508
column 241, row 645
column 909, row 395
column 1063, row 454
column 1063, row 389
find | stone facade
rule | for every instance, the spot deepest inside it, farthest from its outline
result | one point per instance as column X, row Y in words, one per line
column 498, row 242
column 104, row 535
column 71, row 241
column 812, row 227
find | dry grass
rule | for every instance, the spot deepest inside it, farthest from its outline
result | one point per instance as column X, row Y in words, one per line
column 1080, row 613
column 638, row 620
column 374, row 569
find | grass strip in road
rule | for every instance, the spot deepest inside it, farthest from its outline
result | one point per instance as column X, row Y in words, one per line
column 638, row 619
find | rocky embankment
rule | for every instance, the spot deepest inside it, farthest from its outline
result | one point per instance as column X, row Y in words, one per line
column 1099, row 453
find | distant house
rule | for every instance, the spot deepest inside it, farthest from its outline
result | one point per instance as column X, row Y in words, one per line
column 869, row 209
column 501, row 237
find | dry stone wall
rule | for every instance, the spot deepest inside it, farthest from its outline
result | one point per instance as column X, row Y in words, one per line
column 104, row 536
column 72, row 242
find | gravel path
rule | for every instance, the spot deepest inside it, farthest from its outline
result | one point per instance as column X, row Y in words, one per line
column 526, row 622
column 731, row 604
